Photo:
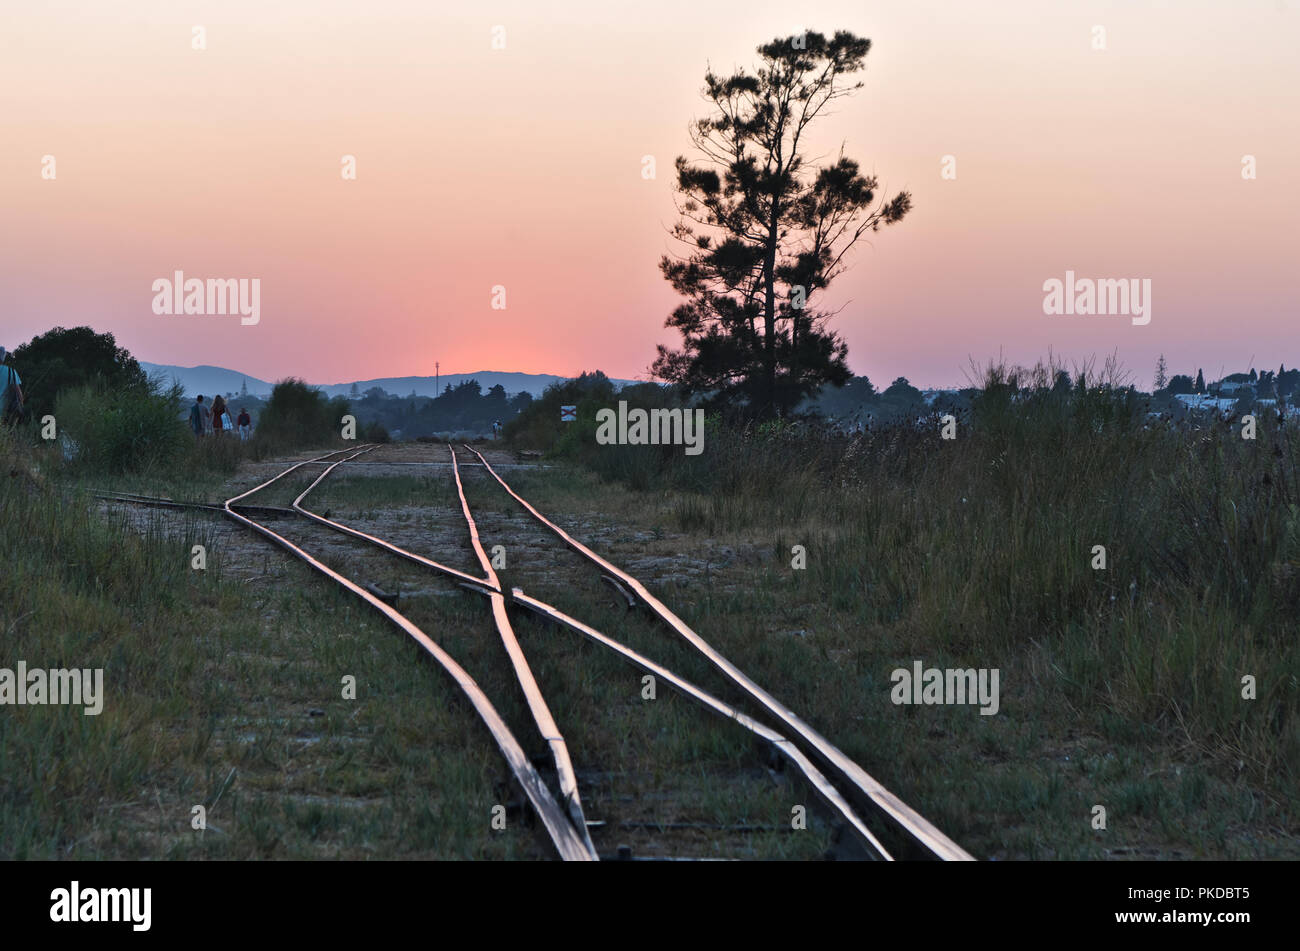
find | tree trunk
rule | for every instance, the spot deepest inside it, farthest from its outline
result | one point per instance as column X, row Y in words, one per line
column 769, row 315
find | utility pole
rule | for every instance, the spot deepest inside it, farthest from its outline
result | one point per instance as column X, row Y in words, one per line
column 437, row 387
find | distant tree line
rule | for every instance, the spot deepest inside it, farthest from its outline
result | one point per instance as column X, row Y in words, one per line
column 460, row 408
column 1280, row 384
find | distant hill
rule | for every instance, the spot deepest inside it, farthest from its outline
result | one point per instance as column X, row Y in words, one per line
column 210, row 379
column 514, row 383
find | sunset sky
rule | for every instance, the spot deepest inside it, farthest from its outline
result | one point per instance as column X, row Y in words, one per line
column 522, row 167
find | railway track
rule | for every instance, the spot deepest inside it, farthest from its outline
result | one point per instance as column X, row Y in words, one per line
column 913, row 823
column 490, row 587
column 569, row 842
column 854, row 799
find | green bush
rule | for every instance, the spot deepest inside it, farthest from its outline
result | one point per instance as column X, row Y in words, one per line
column 539, row 426
column 299, row 415
column 61, row 360
column 128, row 430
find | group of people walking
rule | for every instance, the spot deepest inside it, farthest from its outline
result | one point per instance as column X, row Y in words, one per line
column 215, row 420
column 204, row 420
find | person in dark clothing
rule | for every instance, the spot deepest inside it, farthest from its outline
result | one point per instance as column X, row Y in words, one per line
column 196, row 416
column 11, row 392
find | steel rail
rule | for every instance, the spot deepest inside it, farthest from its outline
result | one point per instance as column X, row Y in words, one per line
column 546, row 724
column 829, row 794
column 388, row 546
column 154, row 502
column 820, row 784
column 913, row 823
column 570, row 845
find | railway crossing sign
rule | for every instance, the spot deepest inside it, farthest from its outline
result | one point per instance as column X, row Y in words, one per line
column 568, row 414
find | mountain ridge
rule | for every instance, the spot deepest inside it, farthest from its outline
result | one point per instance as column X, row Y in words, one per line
column 208, row 378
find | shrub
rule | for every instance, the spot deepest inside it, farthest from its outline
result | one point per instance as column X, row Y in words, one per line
column 127, row 430
column 299, row 415
column 62, row 359
column 538, row 426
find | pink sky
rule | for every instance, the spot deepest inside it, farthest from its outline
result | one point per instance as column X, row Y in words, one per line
column 522, row 167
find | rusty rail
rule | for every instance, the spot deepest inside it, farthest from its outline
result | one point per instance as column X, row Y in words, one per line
column 920, row 829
